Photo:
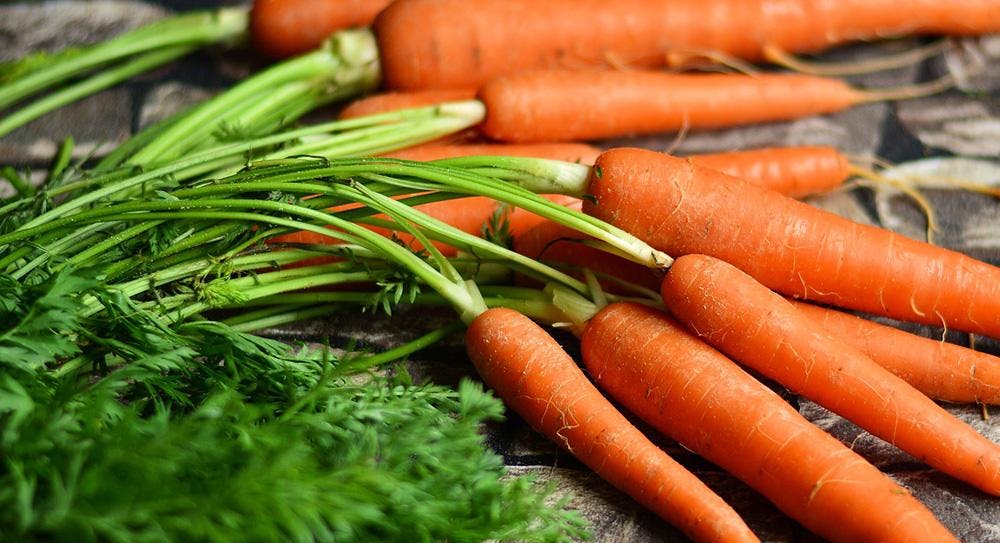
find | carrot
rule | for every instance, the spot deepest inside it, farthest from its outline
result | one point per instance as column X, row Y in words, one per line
column 394, row 101
column 558, row 105
column 941, row 370
column 793, row 171
column 537, row 379
column 568, row 152
column 792, row 247
column 697, row 396
column 463, row 43
column 552, row 242
column 760, row 329
column 282, row 28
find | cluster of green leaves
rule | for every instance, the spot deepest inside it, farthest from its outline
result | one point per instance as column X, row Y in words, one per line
column 119, row 427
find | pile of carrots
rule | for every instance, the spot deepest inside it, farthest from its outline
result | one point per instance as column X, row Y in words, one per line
column 559, row 71
column 750, row 255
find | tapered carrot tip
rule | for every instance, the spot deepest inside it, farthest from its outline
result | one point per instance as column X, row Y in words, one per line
column 537, row 379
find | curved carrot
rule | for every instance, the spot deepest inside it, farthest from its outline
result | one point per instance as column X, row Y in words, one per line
column 462, row 43
column 282, row 28
column 394, row 101
column 941, row 370
column 757, row 327
column 790, row 246
column 537, row 379
column 558, row 105
column 697, row 396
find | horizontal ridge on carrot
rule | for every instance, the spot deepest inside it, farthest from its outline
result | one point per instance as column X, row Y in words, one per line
column 758, row 328
column 789, row 246
column 941, row 370
column 697, row 396
column 462, row 43
column 537, row 379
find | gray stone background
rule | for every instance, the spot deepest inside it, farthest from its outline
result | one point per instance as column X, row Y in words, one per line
column 927, row 134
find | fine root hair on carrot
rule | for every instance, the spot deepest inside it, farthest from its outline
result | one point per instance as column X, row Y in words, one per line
column 907, row 92
column 681, row 134
column 776, row 55
column 679, row 59
column 873, row 178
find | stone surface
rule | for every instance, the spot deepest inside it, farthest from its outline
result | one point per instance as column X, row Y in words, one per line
column 955, row 122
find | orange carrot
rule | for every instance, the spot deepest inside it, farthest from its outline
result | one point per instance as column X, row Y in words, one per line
column 537, row 379
column 558, row 105
column 792, row 247
column 941, row 370
column 394, row 101
column 793, row 171
column 568, row 152
column 463, row 43
column 696, row 395
column 282, row 28
column 760, row 329
column 554, row 242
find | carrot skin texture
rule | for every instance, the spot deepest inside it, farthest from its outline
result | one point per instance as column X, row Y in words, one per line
column 465, row 42
column 559, row 105
column 537, row 379
column 758, row 328
column 697, row 396
column 796, row 172
column 941, row 370
column 282, row 28
column 792, row 247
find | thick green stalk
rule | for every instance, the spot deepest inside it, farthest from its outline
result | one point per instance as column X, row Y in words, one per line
column 347, row 65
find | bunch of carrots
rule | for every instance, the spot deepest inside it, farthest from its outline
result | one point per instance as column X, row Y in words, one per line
column 734, row 258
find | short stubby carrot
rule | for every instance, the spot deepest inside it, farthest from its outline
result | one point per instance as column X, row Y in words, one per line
column 792, row 247
column 757, row 327
column 559, row 105
column 395, row 101
column 537, row 379
column 282, row 28
column 697, row 396
column 941, row 370
column 463, row 43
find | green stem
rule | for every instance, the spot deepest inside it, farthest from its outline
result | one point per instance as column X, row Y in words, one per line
column 191, row 30
column 89, row 86
column 345, row 66
column 424, row 341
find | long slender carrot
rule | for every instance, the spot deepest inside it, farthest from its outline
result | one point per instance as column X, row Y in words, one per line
column 941, row 370
column 562, row 105
column 536, row 378
column 790, row 246
column 757, row 327
column 282, row 28
column 694, row 394
column 394, row 101
column 462, row 43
